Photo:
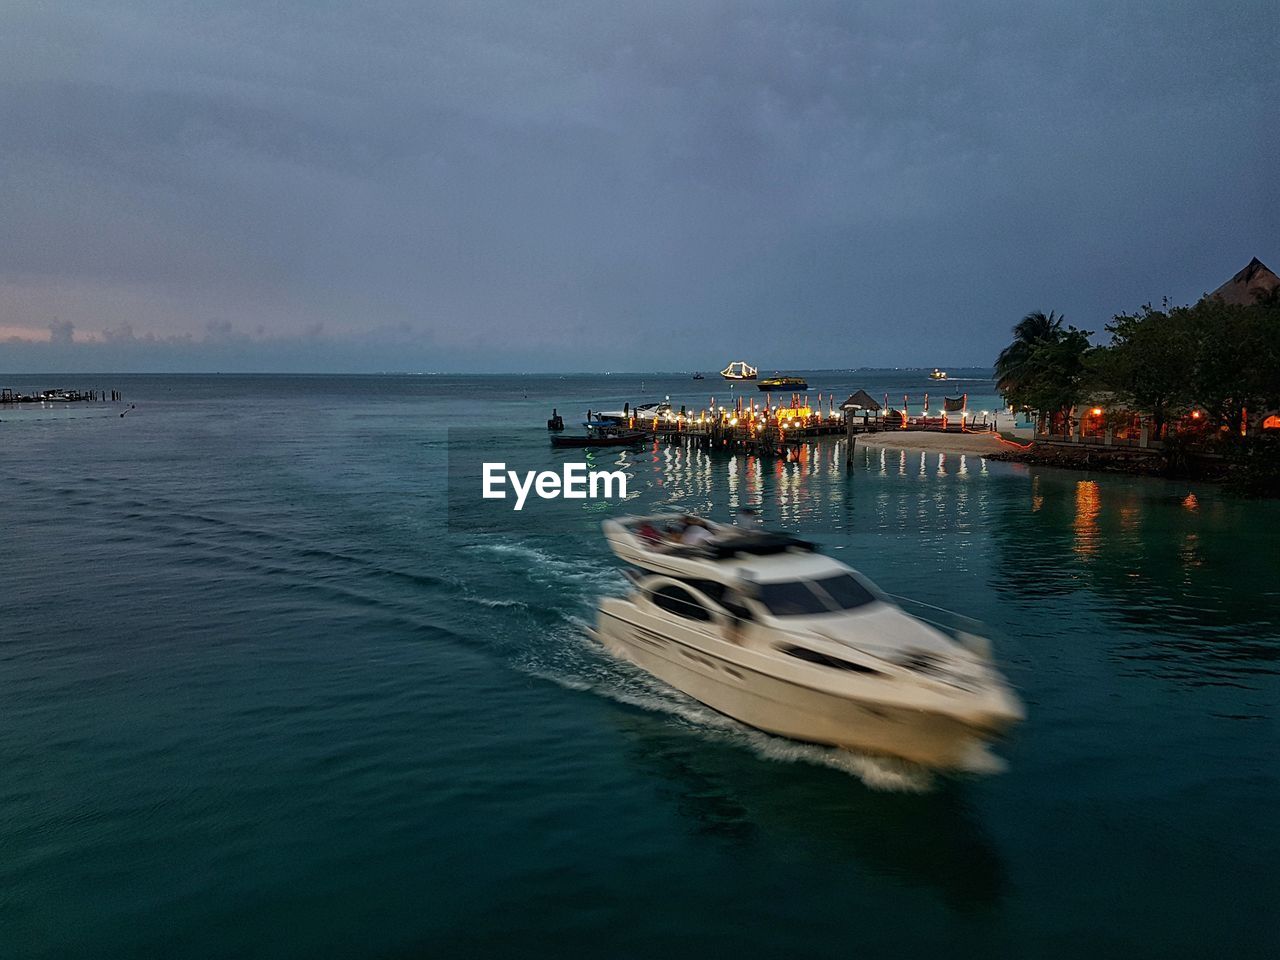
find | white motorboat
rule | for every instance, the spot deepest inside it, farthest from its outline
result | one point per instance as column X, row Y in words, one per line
column 643, row 411
column 763, row 628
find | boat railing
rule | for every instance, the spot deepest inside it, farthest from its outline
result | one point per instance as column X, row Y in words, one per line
column 973, row 634
column 959, row 620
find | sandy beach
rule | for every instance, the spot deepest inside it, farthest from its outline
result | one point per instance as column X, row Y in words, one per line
column 976, row 443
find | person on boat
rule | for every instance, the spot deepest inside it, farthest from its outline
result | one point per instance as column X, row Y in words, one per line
column 648, row 534
column 695, row 532
column 739, row 615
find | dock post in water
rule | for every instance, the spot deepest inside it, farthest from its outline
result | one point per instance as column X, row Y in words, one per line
column 850, row 438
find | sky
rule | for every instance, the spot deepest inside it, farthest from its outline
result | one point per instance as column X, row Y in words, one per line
column 493, row 185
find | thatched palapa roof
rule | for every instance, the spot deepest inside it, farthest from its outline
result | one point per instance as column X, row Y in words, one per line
column 1249, row 285
column 860, row 401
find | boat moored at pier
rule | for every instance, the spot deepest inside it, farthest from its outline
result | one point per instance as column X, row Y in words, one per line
column 628, row 414
column 599, row 439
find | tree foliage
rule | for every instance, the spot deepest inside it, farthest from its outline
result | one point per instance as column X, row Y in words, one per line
column 1014, row 370
column 1220, row 358
column 1151, row 361
column 1045, row 368
column 1057, row 373
column 1237, row 358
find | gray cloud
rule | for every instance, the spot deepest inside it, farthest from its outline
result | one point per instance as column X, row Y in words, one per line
column 489, row 184
column 62, row 331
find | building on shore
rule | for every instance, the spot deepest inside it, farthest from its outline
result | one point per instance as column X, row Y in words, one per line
column 1253, row 283
column 861, row 402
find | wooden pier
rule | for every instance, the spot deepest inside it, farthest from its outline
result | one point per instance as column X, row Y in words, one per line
column 9, row 395
column 784, row 438
column 755, row 428
column 754, row 436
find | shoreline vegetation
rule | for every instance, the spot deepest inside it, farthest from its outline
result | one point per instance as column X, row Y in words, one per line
column 1190, row 392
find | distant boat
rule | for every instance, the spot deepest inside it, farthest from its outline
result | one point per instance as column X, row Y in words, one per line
column 739, row 370
column 783, row 383
column 938, row 374
column 698, row 376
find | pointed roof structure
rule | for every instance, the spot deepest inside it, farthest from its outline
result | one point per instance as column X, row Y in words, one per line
column 1249, row 285
column 860, row 401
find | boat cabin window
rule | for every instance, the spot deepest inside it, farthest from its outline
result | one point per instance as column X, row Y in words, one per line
column 791, row 598
column 799, row 598
column 735, row 606
column 711, row 588
column 826, row 660
column 675, row 600
column 846, row 591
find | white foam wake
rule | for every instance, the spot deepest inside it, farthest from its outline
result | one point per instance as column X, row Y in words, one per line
column 578, row 663
column 546, row 568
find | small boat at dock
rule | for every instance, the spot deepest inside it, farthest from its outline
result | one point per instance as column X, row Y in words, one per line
column 599, row 439
column 643, row 411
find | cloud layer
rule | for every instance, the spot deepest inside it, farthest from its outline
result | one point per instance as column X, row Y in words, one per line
column 509, row 185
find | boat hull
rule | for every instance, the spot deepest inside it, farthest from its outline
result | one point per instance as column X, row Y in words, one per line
column 720, row 675
column 779, row 387
column 622, row 440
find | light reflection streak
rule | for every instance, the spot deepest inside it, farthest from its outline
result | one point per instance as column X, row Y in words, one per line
column 1088, row 506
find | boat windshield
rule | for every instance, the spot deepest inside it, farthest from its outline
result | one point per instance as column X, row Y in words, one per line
column 791, row 598
column 798, row 598
column 846, row 591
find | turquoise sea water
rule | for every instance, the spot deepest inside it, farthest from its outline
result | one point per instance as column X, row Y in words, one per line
column 260, row 700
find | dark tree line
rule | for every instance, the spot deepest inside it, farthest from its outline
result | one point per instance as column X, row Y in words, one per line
column 1217, row 359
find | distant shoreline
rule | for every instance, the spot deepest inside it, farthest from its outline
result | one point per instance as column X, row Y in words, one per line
column 984, row 371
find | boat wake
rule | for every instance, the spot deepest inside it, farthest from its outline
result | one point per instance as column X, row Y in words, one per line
column 576, row 662
column 564, row 653
column 545, row 567
column 493, row 604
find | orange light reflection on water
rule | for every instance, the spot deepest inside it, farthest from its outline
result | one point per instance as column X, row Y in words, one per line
column 1088, row 505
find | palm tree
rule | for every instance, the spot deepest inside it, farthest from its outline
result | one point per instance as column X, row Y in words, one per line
column 1032, row 331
